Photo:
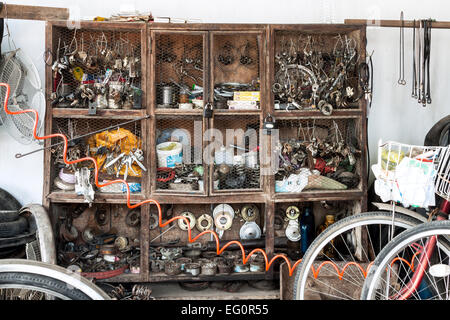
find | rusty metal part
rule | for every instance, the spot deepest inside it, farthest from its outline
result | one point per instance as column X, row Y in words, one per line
column 241, row 268
column 193, row 253
column 292, row 213
column 200, row 222
column 182, row 224
column 257, row 265
column 107, row 249
column 209, row 254
column 224, row 267
column 194, row 286
column 250, row 213
column 209, row 269
column 183, row 261
column 172, row 268
column 133, row 218
column 68, row 234
column 121, row 243
column 193, row 268
column 223, row 220
column 101, row 218
column 142, row 292
column 154, row 223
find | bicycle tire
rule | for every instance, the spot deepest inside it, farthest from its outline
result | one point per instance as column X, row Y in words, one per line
column 8, row 201
column 337, row 228
column 47, row 278
column 13, row 228
column 391, row 249
column 8, row 215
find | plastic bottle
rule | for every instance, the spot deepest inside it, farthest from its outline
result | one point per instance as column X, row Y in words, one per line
column 307, row 229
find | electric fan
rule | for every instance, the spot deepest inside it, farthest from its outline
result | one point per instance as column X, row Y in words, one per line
column 26, row 92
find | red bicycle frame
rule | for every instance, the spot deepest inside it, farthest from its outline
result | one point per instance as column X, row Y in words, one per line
column 424, row 258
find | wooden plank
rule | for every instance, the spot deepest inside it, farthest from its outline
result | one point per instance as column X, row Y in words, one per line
column 23, row 12
column 162, row 277
column 395, row 23
column 82, row 113
column 174, row 292
column 316, row 114
column 319, row 195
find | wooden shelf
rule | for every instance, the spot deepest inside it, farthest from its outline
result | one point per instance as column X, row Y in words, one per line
column 100, row 197
column 124, row 277
column 178, row 112
column 312, row 114
column 101, row 113
column 318, row 195
column 205, row 199
column 226, row 112
column 162, row 277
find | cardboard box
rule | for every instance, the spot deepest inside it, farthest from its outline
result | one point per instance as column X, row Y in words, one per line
column 246, row 96
column 242, row 105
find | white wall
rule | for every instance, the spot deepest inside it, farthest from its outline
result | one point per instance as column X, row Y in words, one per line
column 395, row 115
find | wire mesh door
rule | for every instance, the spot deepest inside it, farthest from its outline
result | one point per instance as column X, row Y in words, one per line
column 237, row 69
column 97, row 68
column 317, row 68
column 320, row 154
column 112, row 149
column 233, row 153
column 179, row 161
column 179, row 63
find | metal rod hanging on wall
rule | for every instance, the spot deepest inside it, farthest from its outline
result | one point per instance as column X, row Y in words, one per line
column 395, row 23
column 20, row 155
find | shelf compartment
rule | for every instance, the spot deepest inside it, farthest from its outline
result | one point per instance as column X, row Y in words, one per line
column 178, row 164
column 99, row 238
column 174, row 237
column 234, row 154
column 236, row 70
column 100, row 68
column 339, row 209
column 322, row 154
column 179, row 70
column 124, row 138
column 307, row 56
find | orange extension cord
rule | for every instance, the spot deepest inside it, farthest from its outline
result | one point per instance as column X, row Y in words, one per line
column 219, row 250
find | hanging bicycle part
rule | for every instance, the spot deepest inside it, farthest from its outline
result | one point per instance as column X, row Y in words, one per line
column 414, row 81
column 401, row 76
column 20, row 155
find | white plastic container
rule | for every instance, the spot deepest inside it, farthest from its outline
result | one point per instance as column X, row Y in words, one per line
column 224, row 155
column 169, row 158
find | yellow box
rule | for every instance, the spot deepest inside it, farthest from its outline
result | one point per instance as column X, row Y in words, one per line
column 246, row 96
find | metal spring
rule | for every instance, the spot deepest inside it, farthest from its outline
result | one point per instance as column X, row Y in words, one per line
column 142, row 292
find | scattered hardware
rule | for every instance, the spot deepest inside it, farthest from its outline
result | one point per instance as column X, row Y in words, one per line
column 179, row 72
column 318, row 158
column 237, row 96
column 97, row 71
column 307, row 76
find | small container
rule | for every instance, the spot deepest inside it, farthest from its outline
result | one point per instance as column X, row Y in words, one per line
column 183, row 97
column 192, row 268
column 167, row 93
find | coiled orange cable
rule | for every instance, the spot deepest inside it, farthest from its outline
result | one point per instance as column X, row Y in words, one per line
column 161, row 224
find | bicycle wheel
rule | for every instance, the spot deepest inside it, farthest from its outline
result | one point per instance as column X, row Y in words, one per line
column 396, row 272
column 47, row 278
column 334, row 265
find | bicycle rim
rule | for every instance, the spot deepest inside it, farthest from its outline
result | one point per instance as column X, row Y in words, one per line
column 341, row 276
column 391, row 276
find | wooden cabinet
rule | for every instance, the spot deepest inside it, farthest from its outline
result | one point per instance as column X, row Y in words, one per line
column 179, row 70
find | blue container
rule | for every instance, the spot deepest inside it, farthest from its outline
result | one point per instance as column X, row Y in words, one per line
column 307, row 229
